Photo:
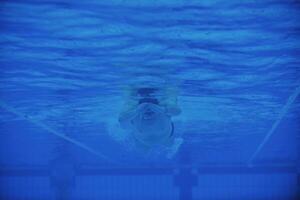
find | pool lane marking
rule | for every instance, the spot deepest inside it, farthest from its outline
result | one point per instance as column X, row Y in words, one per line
column 282, row 113
column 54, row 132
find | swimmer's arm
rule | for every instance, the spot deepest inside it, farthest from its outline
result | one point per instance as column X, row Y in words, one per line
column 173, row 110
column 170, row 102
column 125, row 119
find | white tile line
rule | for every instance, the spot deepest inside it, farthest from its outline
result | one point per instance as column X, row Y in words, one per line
column 54, row 132
column 282, row 113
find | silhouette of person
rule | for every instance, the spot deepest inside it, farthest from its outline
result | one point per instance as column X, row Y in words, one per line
column 148, row 116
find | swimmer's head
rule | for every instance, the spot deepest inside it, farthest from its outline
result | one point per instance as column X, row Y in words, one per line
column 153, row 125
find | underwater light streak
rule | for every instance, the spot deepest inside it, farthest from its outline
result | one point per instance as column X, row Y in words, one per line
column 54, row 132
column 282, row 113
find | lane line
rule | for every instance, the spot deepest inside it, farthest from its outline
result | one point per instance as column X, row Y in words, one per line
column 282, row 113
column 55, row 132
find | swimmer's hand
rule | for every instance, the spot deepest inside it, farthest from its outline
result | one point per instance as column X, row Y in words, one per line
column 125, row 118
column 173, row 110
column 144, row 106
column 174, row 148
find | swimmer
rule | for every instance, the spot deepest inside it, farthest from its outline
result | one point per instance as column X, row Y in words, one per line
column 148, row 117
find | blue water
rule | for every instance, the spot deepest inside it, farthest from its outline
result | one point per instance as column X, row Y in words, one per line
column 66, row 67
